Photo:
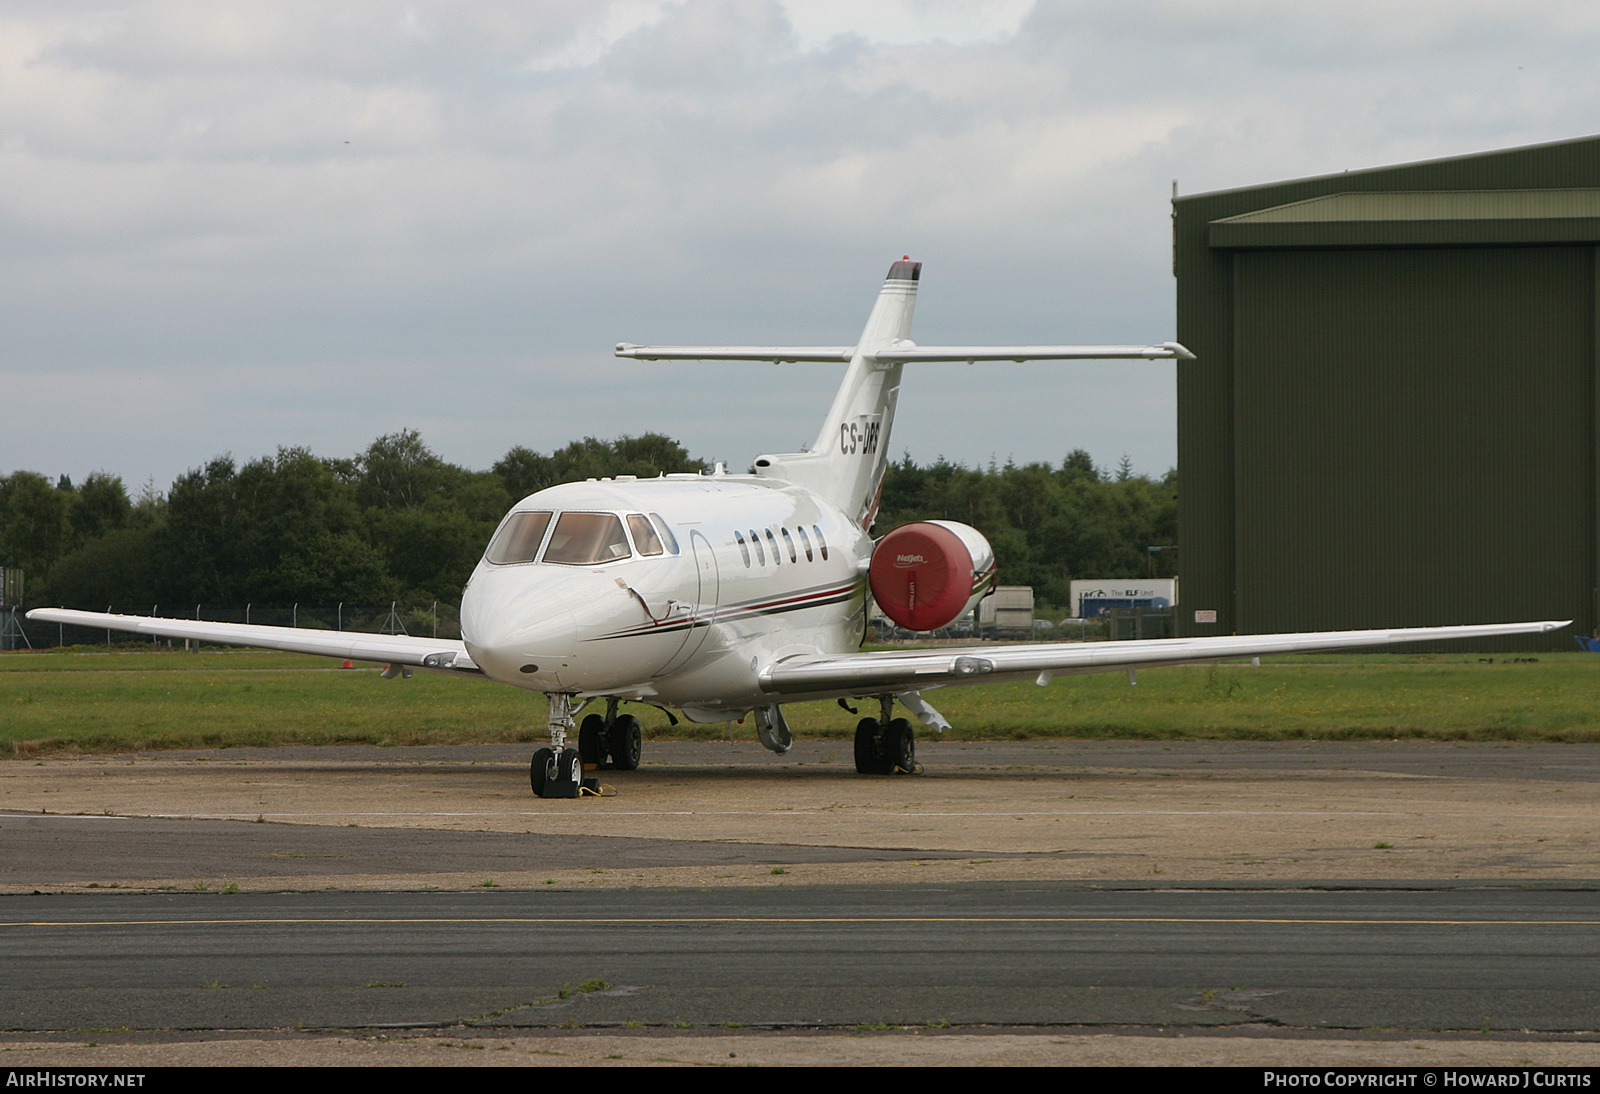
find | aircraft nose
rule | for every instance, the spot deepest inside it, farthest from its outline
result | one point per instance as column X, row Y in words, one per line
column 517, row 626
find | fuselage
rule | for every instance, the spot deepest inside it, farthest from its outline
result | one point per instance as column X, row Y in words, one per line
column 675, row 590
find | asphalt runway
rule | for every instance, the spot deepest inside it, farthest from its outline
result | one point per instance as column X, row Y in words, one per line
column 1479, row 957
column 55, row 850
column 1446, row 759
column 1015, row 884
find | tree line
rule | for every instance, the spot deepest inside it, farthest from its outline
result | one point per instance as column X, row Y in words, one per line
column 1049, row 525
column 397, row 522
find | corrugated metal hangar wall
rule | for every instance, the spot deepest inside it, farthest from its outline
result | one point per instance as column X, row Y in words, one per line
column 1392, row 418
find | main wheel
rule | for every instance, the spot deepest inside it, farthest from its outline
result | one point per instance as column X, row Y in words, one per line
column 869, row 748
column 626, row 743
column 592, row 741
column 900, row 747
column 541, row 770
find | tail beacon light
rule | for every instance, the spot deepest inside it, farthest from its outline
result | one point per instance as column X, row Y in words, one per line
column 925, row 575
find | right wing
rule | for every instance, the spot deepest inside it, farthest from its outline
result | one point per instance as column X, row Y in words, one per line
column 803, row 677
column 442, row 654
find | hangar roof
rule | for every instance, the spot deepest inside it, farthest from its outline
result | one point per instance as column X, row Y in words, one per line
column 1428, row 218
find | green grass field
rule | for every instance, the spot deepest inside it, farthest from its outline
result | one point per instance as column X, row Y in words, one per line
column 87, row 701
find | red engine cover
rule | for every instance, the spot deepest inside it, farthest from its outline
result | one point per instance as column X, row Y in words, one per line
column 921, row 576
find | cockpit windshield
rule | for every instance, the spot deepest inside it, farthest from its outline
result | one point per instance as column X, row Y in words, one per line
column 644, row 536
column 585, row 539
column 666, row 533
column 518, row 539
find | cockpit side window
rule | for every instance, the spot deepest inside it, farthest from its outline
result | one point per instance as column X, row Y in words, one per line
column 822, row 541
column 805, row 541
column 644, row 536
column 518, row 539
column 587, row 539
column 666, row 533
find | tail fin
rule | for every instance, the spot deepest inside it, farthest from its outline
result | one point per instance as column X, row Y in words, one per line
column 846, row 463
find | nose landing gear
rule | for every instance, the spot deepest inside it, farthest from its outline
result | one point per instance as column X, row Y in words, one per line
column 556, row 774
column 885, row 745
column 557, row 771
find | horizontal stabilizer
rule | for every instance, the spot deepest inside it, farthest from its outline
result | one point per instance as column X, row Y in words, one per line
column 836, row 354
column 906, row 353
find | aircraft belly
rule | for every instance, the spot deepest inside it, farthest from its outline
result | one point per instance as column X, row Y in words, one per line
column 724, row 679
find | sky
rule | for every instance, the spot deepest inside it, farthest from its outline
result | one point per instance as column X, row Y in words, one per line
column 228, row 226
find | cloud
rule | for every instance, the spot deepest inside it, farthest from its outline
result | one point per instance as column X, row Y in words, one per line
column 443, row 215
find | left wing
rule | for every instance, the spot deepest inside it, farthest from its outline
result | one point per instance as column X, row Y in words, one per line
column 853, row 674
column 443, row 654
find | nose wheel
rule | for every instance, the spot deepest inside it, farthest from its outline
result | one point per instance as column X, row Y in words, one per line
column 556, row 773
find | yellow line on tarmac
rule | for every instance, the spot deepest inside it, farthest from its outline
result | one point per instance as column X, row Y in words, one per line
column 782, row 920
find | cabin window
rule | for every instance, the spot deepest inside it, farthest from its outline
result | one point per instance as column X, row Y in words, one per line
column 772, row 541
column 805, row 541
column 789, row 543
column 666, row 533
column 587, row 539
column 518, row 539
column 738, row 537
column 822, row 541
column 755, row 541
column 644, row 536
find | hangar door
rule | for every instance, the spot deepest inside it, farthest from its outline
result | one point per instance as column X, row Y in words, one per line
column 1414, row 436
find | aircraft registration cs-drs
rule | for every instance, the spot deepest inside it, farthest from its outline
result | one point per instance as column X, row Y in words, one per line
column 721, row 595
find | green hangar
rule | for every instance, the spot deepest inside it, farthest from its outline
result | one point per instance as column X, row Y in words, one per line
column 1392, row 420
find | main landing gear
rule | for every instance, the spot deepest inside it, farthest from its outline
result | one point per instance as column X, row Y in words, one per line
column 558, row 771
column 613, row 736
column 885, row 745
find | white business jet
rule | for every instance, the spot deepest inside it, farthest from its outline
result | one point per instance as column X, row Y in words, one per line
column 723, row 595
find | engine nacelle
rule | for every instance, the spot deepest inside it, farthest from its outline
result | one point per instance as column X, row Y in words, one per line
column 926, row 574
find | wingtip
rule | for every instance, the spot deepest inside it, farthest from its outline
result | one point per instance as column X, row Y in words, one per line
column 1179, row 351
column 1555, row 625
